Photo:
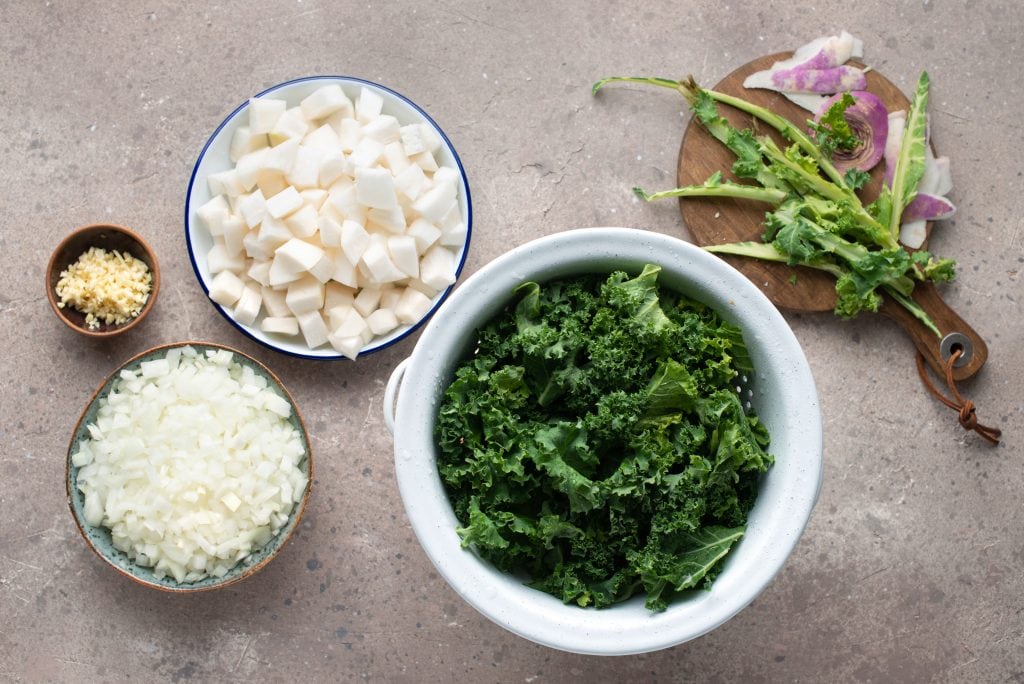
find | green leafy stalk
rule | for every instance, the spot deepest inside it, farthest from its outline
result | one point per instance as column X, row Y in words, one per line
column 715, row 187
column 910, row 163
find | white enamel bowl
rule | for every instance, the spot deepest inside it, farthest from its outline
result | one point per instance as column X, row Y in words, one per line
column 783, row 394
column 214, row 157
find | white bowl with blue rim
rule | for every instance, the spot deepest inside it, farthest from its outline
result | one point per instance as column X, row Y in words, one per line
column 214, row 158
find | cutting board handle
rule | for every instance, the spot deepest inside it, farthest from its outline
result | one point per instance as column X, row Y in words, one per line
column 956, row 333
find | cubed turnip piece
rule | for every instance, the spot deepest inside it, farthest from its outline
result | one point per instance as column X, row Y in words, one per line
column 425, row 160
column 412, row 139
column 304, row 295
column 351, row 325
column 218, row 259
column 431, row 138
column 336, row 314
column 392, row 220
column 412, row 306
column 324, row 101
column 303, row 223
column 254, row 247
column 389, row 297
column 283, row 271
column 424, row 232
column 305, row 172
column 248, row 306
column 225, row 183
column 274, row 302
column 353, row 240
column 234, row 234
column 248, row 168
column 264, row 113
column 330, row 231
column 367, row 301
column 455, row 236
column 344, row 272
column 437, row 268
column 332, row 166
column 270, row 182
column 384, row 129
column 447, row 174
column 336, row 294
column 272, row 234
column 290, row 125
column 420, row 286
column 252, row 208
column 403, row 253
column 343, row 198
column 369, row 105
column 299, row 254
column 226, row 288
column 313, row 328
column 349, row 133
column 379, row 265
column 314, row 197
column 259, row 271
column 284, row 202
column 382, row 321
column 336, row 119
column 366, row 153
column 375, row 188
column 325, row 268
column 411, row 182
column 280, row 325
column 213, row 213
column 395, row 158
column 434, row 203
column 347, row 346
column 244, row 141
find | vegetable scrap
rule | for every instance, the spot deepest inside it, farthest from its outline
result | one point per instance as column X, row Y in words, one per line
column 595, row 440
column 108, row 287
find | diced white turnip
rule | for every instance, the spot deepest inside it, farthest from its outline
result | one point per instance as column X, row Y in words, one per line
column 244, row 141
column 283, row 271
column 303, row 223
column 437, row 268
column 425, row 160
column 254, row 247
column 389, row 298
column 366, row 153
column 447, row 174
column 435, row 203
column 412, row 306
column 304, row 295
column 281, row 158
column 404, row 255
column 351, row 325
column 336, row 314
column 325, row 268
column 324, row 101
column 344, row 272
column 272, row 234
column 213, row 213
column 455, row 236
column 305, row 172
column 336, row 294
column 382, row 321
column 313, row 328
column 234, row 233
column 259, row 271
column 424, row 232
column 330, row 231
column 379, row 265
column 252, row 208
column 420, row 286
column 248, row 306
column 226, row 288
column 353, row 240
column 412, row 139
column 248, row 168
column 375, row 188
column 431, row 138
column 395, row 158
column 367, row 301
column 391, row 220
column 384, row 129
column 332, row 166
column 290, row 125
column 274, row 302
column 347, row 346
column 314, row 197
column 218, row 259
column 280, row 325
column 349, row 133
column 411, row 182
column 225, row 183
column 264, row 113
column 270, row 182
column 369, row 105
column 299, row 254
column 284, row 202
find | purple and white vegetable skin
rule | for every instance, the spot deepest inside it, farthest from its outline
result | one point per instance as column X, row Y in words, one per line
column 817, row 68
column 930, row 203
column 869, row 121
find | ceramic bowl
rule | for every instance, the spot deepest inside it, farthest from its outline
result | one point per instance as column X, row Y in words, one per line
column 98, row 538
column 109, row 237
column 214, row 157
column 782, row 392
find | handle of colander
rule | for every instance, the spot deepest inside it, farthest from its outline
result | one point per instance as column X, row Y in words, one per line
column 391, row 395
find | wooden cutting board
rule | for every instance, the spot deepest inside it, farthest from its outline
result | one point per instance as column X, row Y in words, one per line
column 714, row 221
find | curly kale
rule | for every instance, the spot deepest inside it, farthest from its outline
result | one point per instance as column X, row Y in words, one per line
column 595, row 443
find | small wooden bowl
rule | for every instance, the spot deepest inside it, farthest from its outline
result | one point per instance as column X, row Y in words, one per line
column 109, row 237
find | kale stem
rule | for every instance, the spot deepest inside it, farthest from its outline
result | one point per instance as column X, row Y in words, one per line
column 750, row 192
column 647, row 80
column 916, row 311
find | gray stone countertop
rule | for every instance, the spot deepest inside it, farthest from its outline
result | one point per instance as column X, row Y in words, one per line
column 911, row 566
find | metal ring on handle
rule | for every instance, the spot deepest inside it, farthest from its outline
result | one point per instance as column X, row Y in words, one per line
column 391, row 394
column 951, row 342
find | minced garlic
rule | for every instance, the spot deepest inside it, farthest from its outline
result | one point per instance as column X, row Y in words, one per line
column 108, row 287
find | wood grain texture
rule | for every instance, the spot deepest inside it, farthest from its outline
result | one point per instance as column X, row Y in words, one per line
column 714, row 221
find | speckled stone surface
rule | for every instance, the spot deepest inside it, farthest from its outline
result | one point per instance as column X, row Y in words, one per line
column 912, row 567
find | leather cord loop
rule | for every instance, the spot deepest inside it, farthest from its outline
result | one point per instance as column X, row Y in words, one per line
column 964, row 407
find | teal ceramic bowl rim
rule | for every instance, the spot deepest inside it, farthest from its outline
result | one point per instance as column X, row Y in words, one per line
column 98, row 538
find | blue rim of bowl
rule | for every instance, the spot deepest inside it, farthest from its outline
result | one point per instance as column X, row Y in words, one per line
column 412, row 328
column 119, row 560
